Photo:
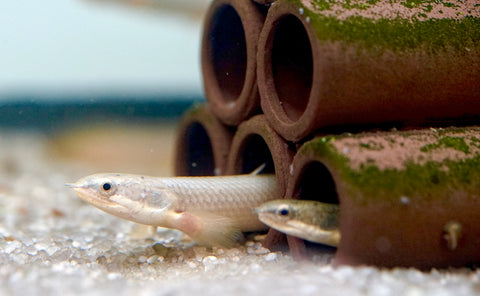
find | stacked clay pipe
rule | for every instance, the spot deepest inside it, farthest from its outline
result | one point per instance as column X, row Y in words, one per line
column 368, row 104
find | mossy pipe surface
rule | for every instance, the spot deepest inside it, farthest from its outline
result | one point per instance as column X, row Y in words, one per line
column 202, row 144
column 228, row 58
column 336, row 63
column 407, row 198
column 255, row 143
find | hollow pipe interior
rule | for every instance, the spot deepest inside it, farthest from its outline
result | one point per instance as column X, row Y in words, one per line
column 256, row 153
column 227, row 49
column 292, row 66
column 198, row 151
column 316, row 183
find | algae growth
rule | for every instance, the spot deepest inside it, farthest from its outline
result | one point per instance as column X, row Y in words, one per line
column 457, row 143
column 427, row 181
column 397, row 34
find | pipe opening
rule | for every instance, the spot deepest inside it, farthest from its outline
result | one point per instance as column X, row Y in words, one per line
column 255, row 154
column 228, row 52
column 317, row 184
column 292, row 66
column 199, row 153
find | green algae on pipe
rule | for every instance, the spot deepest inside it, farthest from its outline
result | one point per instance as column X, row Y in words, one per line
column 367, row 62
column 399, row 194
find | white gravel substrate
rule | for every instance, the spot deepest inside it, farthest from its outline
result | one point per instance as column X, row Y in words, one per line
column 51, row 243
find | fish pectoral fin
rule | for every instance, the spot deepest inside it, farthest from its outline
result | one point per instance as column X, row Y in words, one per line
column 210, row 229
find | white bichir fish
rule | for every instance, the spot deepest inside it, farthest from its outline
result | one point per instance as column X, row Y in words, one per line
column 211, row 210
column 311, row 220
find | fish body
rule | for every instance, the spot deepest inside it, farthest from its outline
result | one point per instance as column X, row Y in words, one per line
column 311, row 220
column 211, row 210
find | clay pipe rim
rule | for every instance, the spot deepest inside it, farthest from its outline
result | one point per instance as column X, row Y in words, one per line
column 228, row 58
column 265, row 2
column 254, row 142
column 202, row 144
column 311, row 176
column 255, row 137
column 286, row 92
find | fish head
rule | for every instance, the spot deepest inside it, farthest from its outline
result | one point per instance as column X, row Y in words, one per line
column 132, row 197
column 275, row 212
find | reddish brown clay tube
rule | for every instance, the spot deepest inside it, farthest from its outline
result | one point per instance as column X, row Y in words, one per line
column 367, row 63
column 406, row 198
column 256, row 143
column 264, row 2
column 202, row 144
column 229, row 48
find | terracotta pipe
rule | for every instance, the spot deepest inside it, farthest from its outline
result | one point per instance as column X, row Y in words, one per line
column 256, row 143
column 407, row 198
column 363, row 63
column 229, row 47
column 265, row 2
column 202, row 144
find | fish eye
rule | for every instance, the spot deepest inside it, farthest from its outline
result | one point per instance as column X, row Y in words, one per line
column 283, row 211
column 107, row 188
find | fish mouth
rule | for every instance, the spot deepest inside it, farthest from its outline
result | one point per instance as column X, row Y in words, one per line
column 267, row 218
column 101, row 203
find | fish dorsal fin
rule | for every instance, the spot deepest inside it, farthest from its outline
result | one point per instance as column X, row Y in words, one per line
column 258, row 170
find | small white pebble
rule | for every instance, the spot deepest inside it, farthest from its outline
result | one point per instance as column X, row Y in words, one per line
column 113, row 276
column 31, row 250
column 142, row 259
column 192, row 264
column 257, row 250
column 308, row 19
column 210, row 259
column 346, row 150
column 271, row 257
column 152, row 259
column 301, row 10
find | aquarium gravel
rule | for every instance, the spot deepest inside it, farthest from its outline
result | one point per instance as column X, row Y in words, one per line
column 51, row 243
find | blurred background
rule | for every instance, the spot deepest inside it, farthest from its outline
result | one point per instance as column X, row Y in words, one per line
column 99, row 68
